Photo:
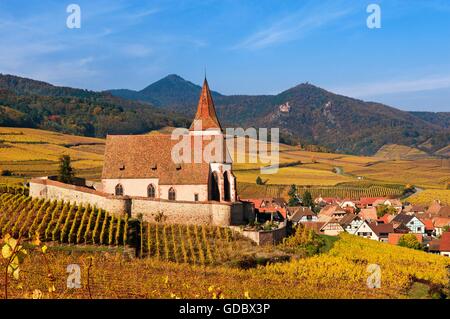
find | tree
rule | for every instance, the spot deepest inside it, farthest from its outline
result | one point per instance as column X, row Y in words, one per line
column 409, row 241
column 293, row 197
column 259, row 181
column 385, row 209
column 66, row 172
column 307, row 200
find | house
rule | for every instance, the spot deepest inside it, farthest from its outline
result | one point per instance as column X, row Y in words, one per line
column 429, row 226
column 444, row 212
column 268, row 208
column 331, row 211
column 368, row 213
column 366, row 202
column 400, row 227
column 324, row 201
column 374, row 231
column 418, row 210
column 382, row 230
column 414, row 224
column 332, row 228
column 300, row 214
column 393, row 238
column 434, row 208
column 348, row 205
column 351, row 223
column 365, row 230
column 444, row 246
column 385, row 219
column 439, row 223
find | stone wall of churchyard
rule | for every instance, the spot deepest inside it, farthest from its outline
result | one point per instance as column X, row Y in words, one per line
column 183, row 212
column 264, row 237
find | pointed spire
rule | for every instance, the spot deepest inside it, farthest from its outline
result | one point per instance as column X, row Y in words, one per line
column 206, row 111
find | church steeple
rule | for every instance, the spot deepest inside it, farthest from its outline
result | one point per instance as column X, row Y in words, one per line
column 206, row 112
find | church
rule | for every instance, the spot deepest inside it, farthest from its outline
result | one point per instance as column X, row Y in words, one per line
column 143, row 165
column 141, row 177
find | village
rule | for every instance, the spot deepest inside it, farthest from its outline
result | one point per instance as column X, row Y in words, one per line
column 381, row 219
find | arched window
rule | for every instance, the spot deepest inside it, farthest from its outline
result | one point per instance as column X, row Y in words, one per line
column 226, row 187
column 172, row 194
column 119, row 190
column 151, row 191
column 214, row 191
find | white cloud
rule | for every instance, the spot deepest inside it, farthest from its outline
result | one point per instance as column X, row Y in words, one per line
column 137, row 50
column 292, row 27
column 398, row 86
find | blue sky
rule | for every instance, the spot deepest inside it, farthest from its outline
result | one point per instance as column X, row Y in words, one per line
column 248, row 47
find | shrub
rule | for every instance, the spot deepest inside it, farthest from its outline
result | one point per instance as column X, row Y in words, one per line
column 409, row 241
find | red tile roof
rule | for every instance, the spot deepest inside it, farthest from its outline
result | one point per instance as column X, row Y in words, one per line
column 445, row 242
column 206, row 112
column 428, row 223
column 370, row 200
column 441, row 221
column 150, row 156
column 368, row 213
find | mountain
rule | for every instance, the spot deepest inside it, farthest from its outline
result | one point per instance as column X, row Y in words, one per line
column 171, row 91
column 439, row 118
column 36, row 104
column 308, row 114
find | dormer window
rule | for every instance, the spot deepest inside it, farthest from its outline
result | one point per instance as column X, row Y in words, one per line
column 154, row 166
column 122, row 167
column 178, row 167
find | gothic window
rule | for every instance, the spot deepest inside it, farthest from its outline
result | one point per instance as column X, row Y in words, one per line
column 151, row 191
column 226, row 187
column 119, row 190
column 172, row 194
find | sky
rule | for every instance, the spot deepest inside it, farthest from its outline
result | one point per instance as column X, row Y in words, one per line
column 246, row 47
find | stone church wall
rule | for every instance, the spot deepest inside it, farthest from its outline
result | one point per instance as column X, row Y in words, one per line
column 184, row 212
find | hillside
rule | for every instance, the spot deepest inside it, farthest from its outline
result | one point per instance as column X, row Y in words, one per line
column 307, row 114
column 35, row 104
column 29, row 152
column 395, row 151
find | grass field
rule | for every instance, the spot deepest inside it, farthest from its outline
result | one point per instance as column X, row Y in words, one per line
column 29, row 153
column 339, row 273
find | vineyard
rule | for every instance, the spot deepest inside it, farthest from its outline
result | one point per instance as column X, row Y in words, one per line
column 340, row 273
column 344, row 267
column 23, row 217
column 352, row 190
column 193, row 244
column 427, row 197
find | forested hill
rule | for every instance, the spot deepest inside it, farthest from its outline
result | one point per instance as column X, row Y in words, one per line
column 309, row 115
column 29, row 103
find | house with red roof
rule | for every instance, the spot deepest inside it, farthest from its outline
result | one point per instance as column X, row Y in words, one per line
column 268, row 208
column 444, row 246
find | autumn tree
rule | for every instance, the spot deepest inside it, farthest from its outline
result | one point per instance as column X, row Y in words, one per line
column 410, row 241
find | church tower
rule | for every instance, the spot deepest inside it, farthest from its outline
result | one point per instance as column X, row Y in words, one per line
column 205, row 121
